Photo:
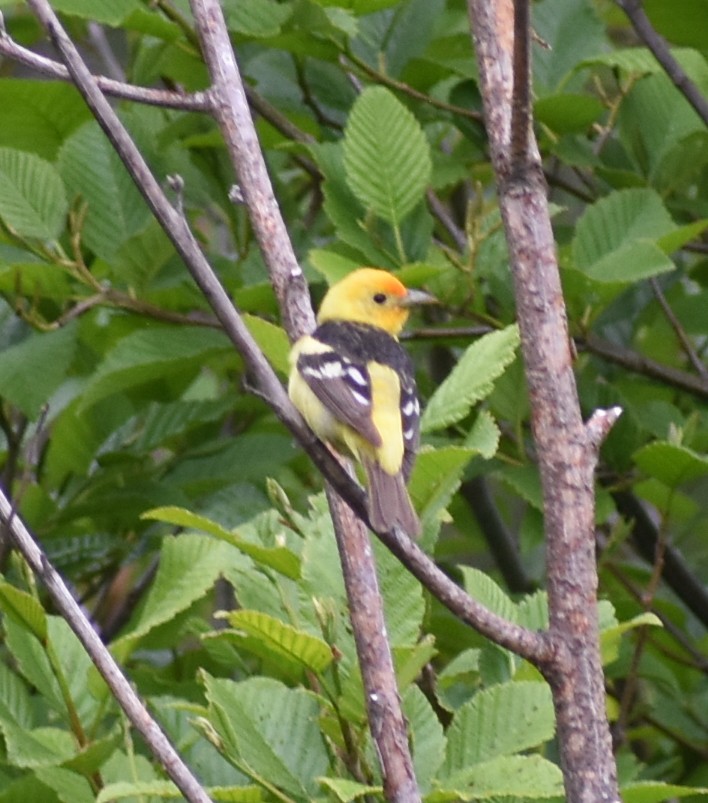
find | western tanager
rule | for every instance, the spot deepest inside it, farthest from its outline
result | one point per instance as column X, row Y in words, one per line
column 354, row 385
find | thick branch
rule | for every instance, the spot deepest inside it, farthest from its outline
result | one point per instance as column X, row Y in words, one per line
column 567, row 450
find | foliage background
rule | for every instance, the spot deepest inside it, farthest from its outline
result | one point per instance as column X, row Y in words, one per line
column 371, row 127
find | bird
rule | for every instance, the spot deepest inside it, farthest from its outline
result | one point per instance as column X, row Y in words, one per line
column 354, row 385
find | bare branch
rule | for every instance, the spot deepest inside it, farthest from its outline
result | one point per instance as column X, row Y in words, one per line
column 638, row 363
column 232, row 113
column 683, row 338
column 658, row 46
column 566, row 453
column 101, row 657
column 198, row 101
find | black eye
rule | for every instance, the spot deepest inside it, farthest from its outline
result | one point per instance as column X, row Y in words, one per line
column 380, row 298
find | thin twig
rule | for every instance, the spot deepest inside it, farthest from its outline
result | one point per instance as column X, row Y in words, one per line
column 197, row 101
column 407, row 89
column 658, row 46
column 638, row 363
column 683, row 338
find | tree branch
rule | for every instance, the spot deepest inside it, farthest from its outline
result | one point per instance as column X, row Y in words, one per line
column 129, row 701
column 567, row 449
column 658, row 46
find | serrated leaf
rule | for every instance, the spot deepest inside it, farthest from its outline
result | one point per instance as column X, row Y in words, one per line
column 116, row 210
column 484, row 435
column 341, row 205
column 310, row 651
column 526, row 777
column 24, row 609
column 189, row 567
column 472, row 379
column 147, row 354
column 426, row 735
column 270, row 732
column 345, row 790
column 32, row 370
column 616, row 239
column 436, row 477
column 32, row 663
column 482, row 588
column 671, row 463
column 498, row 721
column 32, row 196
column 386, row 155
column 279, row 558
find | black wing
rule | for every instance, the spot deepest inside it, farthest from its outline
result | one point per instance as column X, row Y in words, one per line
column 344, row 387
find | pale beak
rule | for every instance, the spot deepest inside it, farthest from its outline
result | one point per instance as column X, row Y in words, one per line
column 414, row 298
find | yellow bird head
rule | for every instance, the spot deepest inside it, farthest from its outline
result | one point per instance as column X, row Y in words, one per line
column 374, row 297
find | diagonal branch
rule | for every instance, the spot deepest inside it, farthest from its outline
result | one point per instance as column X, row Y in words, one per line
column 658, row 46
column 101, row 657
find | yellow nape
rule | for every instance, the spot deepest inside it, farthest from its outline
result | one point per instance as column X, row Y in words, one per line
column 371, row 296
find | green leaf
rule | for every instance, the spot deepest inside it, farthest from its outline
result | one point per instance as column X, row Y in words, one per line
column 32, row 663
column 38, row 115
column 147, row 354
column 498, row 721
column 312, row 652
column 116, row 210
column 270, row 733
column 472, row 379
column 426, row 736
column 109, row 12
column 656, row 792
column 572, row 30
column 279, row 558
column 482, row 588
column 345, row 790
column 32, row 195
column 262, row 19
column 670, row 463
column 24, row 609
column 69, row 786
column 386, row 155
column 610, row 637
column 38, row 747
column 484, row 435
column 568, row 113
column 272, row 341
column 166, row 790
column 526, row 777
column 436, row 477
column 616, row 240
column 189, row 567
column 32, row 370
